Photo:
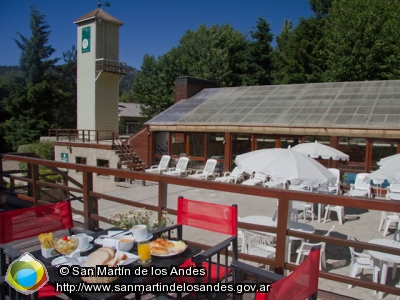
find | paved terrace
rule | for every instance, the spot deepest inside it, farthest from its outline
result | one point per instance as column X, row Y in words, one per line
column 362, row 224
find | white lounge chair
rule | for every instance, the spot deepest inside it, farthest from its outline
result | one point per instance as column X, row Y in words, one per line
column 163, row 166
column 256, row 179
column 207, row 172
column 277, row 183
column 234, row 176
column 180, row 168
column 360, row 188
column 393, row 192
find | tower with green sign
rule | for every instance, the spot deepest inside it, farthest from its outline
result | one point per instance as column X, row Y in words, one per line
column 99, row 71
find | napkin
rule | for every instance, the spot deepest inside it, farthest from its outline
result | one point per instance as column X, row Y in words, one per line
column 111, row 243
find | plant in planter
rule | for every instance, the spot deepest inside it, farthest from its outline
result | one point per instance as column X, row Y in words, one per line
column 127, row 219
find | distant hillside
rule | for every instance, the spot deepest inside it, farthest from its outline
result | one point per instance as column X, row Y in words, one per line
column 5, row 69
column 125, row 84
column 127, row 81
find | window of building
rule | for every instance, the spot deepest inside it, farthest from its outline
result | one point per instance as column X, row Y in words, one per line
column 102, row 163
column 80, row 160
column 196, row 147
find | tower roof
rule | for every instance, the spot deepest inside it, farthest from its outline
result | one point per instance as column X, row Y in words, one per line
column 99, row 14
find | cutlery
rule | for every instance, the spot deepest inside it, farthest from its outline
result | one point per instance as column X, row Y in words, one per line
column 117, row 234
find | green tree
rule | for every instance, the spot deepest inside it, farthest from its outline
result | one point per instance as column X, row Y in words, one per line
column 31, row 102
column 297, row 57
column 361, row 40
column 258, row 56
column 214, row 53
column 64, row 116
column 320, row 7
column 150, row 89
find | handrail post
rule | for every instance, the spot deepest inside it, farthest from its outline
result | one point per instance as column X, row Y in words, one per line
column 90, row 204
column 162, row 198
column 35, row 189
column 281, row 237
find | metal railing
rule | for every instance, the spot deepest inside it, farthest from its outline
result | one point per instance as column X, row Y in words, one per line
column 91, row 214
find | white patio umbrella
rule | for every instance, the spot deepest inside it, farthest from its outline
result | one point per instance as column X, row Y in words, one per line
column 284, row 164
column 392, row 159
column 316, row 150
column 389, row 171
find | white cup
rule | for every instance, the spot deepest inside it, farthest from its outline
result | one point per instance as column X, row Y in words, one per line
column 83, row 241
column 139, row 232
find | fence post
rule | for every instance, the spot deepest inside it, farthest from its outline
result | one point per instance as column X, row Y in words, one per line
column 90, row 204
column 162, row 198
column 281, row 238
column 35, row 189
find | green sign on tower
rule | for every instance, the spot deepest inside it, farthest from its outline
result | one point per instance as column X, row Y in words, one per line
column 86, row 39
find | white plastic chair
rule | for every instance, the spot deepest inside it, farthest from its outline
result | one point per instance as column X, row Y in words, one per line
column 387, row 220
column 358, row 261
column 307, row 208
column 336, row 208
column 180, row 168
column 360, row 188
column 336, row 186
column 258, row 244
column 294, row 215
column 393, row 191
column 162, row 166
column 256, row 179
column 305, row 248
column 234, row 176
column 207, row 172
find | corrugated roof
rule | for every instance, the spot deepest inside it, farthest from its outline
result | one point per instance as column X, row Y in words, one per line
column 368, row 104
column 129, row 109
column 99, row 14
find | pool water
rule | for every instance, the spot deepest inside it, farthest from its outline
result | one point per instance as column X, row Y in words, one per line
column 351, row 178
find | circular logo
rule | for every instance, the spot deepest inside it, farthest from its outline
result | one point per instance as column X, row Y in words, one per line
column 85, row 43
column 26, row 274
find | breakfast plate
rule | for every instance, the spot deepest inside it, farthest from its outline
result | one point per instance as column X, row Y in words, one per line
column 172, row 252
column 65, row 261
column 99, row 241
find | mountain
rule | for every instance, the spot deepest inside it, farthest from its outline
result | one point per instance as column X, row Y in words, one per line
column 127, row 81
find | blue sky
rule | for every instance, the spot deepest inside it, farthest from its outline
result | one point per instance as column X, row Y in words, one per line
column 150, row 26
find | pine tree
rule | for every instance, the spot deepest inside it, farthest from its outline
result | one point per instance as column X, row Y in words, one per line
column 31, row 101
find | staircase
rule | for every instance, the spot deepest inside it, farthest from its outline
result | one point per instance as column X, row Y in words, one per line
column 128, row 160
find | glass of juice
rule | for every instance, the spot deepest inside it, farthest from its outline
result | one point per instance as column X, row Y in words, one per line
column 144, row 252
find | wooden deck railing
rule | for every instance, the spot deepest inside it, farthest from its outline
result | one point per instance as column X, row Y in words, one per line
column 91, row 214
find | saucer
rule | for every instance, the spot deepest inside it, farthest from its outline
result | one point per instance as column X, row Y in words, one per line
column 90, row 246
column 148, row 237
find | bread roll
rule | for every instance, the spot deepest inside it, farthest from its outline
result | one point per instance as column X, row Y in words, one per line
column 157, row 244
column 159, row 251
column 98, row 258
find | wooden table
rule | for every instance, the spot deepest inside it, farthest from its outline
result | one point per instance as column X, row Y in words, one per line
column 155, row 261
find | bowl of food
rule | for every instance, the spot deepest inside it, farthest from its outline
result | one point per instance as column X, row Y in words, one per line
column 66, row 245
column 125, row 242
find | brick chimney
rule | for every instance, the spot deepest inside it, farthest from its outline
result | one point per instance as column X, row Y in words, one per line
column 187, row 86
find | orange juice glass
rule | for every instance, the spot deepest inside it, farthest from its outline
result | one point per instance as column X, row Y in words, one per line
column 144, row 252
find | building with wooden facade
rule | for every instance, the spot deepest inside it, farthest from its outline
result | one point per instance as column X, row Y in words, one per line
column 359, row 118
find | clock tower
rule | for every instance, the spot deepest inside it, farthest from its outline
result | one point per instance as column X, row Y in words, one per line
column 99, row 71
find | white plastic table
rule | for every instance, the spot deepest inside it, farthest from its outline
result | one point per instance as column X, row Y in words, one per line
column 267, row 221
column 384, row 258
